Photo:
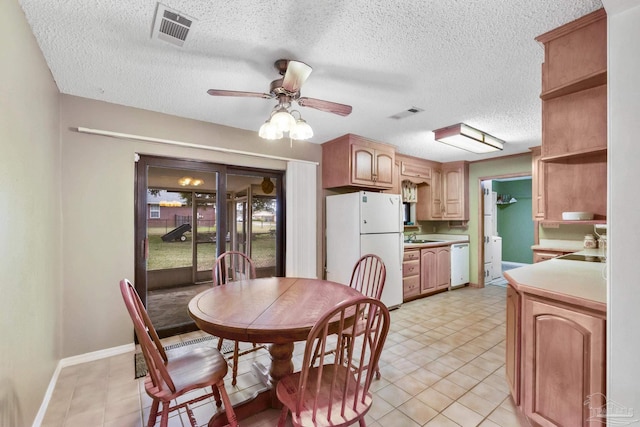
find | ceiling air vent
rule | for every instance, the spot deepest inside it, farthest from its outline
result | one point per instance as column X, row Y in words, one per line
column 410, row 112
column 170, row 25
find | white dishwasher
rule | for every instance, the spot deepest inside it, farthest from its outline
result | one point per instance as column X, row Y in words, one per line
column 459, row 264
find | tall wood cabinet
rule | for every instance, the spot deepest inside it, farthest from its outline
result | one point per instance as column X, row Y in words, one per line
column 455, row 191
column 574, row 118
column 354, row 161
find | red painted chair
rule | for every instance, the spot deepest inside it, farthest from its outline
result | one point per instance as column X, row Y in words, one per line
column 171, row 375
column 232, row 266
column 336, row 392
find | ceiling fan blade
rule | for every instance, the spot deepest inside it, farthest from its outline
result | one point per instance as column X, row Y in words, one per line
column 297, row 73
column 218, row 92
column 327, row 106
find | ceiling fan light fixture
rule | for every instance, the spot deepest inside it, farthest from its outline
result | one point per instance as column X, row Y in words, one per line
column 301, row 130
column 283, row 120
column 269, row 131
column 467, row 138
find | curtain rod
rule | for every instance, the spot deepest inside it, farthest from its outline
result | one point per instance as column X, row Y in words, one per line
column 186, row 144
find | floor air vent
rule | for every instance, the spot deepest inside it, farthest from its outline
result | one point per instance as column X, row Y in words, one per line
column 171, row 26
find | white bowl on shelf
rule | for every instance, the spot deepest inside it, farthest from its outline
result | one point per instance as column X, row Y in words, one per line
column 577, row 216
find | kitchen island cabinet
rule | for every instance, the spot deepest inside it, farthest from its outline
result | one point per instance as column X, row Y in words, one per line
column 354, row 161
column 556, row 342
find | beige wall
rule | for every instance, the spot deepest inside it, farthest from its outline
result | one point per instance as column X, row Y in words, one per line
column 30, row 256
column 98, row 188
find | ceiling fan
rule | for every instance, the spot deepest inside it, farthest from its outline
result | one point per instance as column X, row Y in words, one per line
column 287, row 89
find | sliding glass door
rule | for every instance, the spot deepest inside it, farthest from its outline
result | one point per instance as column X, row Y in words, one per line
column 182, row 225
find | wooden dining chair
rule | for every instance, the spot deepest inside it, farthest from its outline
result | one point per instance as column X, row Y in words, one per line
column 368, row 276
column 336, row 392
column 231, row 266
column 175, row 373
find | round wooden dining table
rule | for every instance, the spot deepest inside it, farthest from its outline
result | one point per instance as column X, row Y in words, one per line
column 275, row 310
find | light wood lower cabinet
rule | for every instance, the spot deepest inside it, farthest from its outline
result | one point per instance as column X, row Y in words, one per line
column 512, row 364
column 555, row 359
column 425, row 271
column 411, row 274
column 435, row 268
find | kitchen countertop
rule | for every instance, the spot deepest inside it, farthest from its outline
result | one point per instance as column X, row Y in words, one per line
column 443, row 239
column 559, row 245
column 574, row 282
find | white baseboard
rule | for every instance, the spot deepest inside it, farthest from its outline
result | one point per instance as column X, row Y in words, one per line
column 75, row 360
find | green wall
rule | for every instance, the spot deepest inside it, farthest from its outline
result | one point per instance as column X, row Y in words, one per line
column 515, row 223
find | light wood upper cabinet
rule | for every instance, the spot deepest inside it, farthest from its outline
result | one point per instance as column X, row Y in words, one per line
column 455, row 190
column 415, row 169
column 574, row 120
column 354, row 161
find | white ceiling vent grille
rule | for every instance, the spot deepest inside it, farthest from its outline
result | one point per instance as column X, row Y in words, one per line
column 410, row 112
column 171, row 26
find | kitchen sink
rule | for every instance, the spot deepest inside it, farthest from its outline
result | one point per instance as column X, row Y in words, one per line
column 422, row 241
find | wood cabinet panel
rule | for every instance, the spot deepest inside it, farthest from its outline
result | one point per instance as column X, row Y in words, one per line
column 411, row 268
column 455, row 190
column 354, row 161
column 574, row 51
column 512, row 364
column 577, row 184
column 436, row 195
column 443, row 275
column 537, row 183
column 410, row 287
column 428, row 270
column 575, row 123
column 573, row 176
column 564, row 354
column 415, row 169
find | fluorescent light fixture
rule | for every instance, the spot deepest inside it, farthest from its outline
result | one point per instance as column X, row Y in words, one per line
column 468, row 138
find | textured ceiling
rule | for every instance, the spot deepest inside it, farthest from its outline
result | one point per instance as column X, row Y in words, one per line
column 465, row 61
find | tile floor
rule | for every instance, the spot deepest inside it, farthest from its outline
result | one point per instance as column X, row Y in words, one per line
column 443, row 365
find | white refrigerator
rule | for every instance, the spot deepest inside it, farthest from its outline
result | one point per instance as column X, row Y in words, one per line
column 361, row 223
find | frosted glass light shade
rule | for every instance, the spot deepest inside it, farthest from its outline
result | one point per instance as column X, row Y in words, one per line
column 283, row 120
column 301, row 130
column 269, row 131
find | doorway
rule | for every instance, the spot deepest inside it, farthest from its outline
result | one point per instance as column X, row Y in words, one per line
column 182, row 225
column 506, row 226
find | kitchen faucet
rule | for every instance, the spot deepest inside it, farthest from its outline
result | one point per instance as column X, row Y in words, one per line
column 411, row 237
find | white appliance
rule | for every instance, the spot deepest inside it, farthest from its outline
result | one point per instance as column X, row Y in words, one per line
column 496, row 257
column 459, row 264
column 361, row 223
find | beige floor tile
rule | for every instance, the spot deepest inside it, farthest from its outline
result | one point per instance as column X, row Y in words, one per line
column 397, row 418
column 438, row 348
column 462, row 415
column 449, row 388
column 441, row 421
column 418, row 411
column 435, row 399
